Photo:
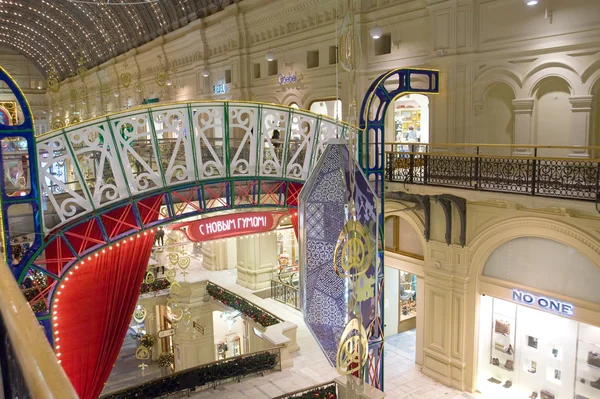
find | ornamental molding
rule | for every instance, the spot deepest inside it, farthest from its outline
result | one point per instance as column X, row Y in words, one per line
column 521, row 227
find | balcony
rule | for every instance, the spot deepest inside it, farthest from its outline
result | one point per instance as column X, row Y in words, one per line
column 527, row 170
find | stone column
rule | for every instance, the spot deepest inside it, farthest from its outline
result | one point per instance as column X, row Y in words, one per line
column 523, row 123
column 581, row 111
column 219, row 255
column 195, row 346
column 256, row 259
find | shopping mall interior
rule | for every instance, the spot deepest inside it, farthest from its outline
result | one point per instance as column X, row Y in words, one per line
column 300, row 199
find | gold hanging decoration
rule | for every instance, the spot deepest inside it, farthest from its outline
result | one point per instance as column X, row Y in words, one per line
column 350, row 49
column 126, row 79
column 139, row 315
column 53, row 82
column 150, row 278
column 354, row 251
column 352, row 349
column 142, row 353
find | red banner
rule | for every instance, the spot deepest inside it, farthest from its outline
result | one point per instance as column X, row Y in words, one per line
column 233, row 225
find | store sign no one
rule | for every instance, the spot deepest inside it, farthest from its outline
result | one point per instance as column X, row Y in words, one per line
column 284, row 80
column 543, row 303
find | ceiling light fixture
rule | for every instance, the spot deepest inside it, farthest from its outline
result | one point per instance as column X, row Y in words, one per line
column 114, row 2
column 270, row 56
column 205, row 73
column 531, row 2
column 376, row 32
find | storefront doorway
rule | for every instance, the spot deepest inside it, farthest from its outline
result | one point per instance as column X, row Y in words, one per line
column 539, row 328
column 403, row 278
column 409, row 123
column 331, row 108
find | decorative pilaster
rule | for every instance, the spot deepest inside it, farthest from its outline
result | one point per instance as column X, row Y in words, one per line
column 256, row 260
column 523, row 116
column 219, row 255
column 581, row 110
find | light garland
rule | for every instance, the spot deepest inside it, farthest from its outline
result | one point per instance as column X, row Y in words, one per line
column 62, row 286
column 114, row 2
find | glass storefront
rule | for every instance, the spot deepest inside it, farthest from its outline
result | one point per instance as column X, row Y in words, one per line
column 529, row 353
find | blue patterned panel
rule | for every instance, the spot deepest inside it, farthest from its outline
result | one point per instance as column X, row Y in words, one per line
column 323, row 212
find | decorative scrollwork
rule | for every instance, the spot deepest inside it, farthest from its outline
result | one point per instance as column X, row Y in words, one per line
column 352, row 349
column 354, row 250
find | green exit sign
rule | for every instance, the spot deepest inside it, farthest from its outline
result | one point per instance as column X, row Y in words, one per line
column 149, row 101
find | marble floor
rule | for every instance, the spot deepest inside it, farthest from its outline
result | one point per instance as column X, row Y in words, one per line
column 403, row 378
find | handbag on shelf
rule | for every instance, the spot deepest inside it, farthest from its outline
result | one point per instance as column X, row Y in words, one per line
column 498, row 346
column 502, row 327
column 509, row 365
column 593, row 359
column 546, row 395
column 532, row 342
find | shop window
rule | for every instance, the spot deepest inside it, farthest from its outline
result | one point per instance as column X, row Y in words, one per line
column 333, row 58
column 228, row 76
column 312, row 59
column 331, row 108
column 272, row 68
column 15, row 163
column 256, row 70
column 10, row 110
column 383, row 45
column 21, row 229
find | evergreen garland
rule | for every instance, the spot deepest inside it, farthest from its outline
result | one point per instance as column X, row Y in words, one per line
column 328, row 392
column 156, row 285
column 240, row 304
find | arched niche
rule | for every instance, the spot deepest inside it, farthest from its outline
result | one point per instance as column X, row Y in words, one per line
column 495, row 118
column 403, row 238
column 552, row 115
column 546, row 265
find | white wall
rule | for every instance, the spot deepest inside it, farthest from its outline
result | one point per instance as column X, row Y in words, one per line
column 474, row 44
column 392, row 296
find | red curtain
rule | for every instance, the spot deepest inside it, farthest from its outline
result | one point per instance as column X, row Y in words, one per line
column 94, row 310
column 294, row 220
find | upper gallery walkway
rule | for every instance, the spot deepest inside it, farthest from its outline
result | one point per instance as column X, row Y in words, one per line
column 566, row 172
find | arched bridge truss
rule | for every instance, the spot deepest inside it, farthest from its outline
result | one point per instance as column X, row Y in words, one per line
column 74, row 191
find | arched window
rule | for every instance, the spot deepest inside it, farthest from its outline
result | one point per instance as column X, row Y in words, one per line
column 402, row 238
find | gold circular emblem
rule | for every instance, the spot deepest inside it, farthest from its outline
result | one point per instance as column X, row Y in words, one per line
column 175, row 288
column 175, row 309
column 354, row 250
column 173, row 258
column 171, row 274
column 142, row 353
column 149, row 278
column 352, row 349
column 53, row 84
column 184, row 262
column 139, row 315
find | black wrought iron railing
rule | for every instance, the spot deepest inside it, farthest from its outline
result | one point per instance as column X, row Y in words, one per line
column 328, row 390
column 478, row 167
column 206, row 376
column 256, row 313
column 285, row 293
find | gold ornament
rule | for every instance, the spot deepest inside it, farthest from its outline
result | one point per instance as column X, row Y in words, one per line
column 149, row 278
column 171, row 274
column 161, row 79
column 352, row 349
column 139, row 315
column 142, row 353
column 53, row 82
column 365, row 288
column 73, row 94
column 173, row 258
column 354, row 250
column 350, row 50
column 184, row 262
column 175, row 288
column 175, row 309
column 187, row 317
column 126, row 79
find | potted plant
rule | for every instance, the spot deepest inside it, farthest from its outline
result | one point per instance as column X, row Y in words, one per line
column 165, row 359
column 147, row 341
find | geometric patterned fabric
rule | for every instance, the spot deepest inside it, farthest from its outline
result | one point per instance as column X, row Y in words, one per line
column 323, row 212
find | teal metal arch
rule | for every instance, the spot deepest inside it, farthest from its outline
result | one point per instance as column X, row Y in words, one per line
column 371, row 154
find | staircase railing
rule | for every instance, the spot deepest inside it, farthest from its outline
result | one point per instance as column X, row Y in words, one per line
column 29, row 367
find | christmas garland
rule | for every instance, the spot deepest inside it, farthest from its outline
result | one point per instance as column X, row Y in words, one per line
column 147, row 340
column 328, row 392
column 156, row 285
column 243, row 306
column 200, row 376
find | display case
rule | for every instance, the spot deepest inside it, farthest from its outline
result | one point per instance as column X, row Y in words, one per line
column 407, row 308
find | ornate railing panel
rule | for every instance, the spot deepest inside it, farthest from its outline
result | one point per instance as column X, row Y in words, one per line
column 96, row 164
column 531, row 175
column 285, row 293
column 205, row 376
column 244, row 306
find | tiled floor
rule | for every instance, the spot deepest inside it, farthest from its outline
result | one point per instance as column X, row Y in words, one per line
column 402, row 377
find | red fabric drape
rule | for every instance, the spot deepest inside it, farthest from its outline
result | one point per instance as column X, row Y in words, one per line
column 294, row 220
column 94, row 310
